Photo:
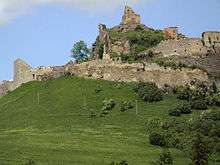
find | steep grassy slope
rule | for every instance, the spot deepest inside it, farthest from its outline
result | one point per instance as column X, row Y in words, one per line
column 59, row 130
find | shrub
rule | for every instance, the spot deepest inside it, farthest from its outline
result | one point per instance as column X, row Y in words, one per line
column 166, row 157
column 123, row 162
column 175, row 112
column 168, row 124
column 206, row 126
column 149, row 92
column 157, row 138
column 184, row 93
column 97, row 90
column 153, row 123
column 185, row 108
column 199, row 105
column 30, row 162
column 200, row 151
column 126, row 106
column 108, row 105
column 210, row 115
column 216, row 99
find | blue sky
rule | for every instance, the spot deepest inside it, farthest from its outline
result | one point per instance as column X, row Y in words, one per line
column 43, row 31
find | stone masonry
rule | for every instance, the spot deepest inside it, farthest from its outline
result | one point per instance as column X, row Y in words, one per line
column 124, row 72
column 130, row 17
column 191, row 47
column 103, row 67
column 24, row 73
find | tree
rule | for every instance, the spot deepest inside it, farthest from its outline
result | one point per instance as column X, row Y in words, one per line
column 80, row 51
column 200, row 151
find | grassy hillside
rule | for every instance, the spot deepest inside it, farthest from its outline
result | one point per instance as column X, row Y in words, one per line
column 58, row 128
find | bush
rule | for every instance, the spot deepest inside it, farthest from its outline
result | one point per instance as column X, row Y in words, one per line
column 200, row 151
column 30, row 162
column 123, row 162
column 166, row 157
column 108, row 105
column 210, row 115
column 184, row 93
column 153, row 123
column 157, row 138
column 126, row 106
column 199, row 105
column 175, row 112
column 185, row 108
column 149, row 92
column 216, row 99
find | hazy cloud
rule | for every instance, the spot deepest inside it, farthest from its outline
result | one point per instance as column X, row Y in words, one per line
column 10, row 9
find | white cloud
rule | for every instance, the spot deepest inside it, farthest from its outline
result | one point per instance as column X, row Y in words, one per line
column 10, row 9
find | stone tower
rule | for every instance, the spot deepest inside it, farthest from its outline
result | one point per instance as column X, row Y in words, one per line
column 171, row 33
column 130, row 17
column 22, row 72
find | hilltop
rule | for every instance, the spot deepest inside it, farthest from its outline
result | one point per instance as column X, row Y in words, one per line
column 132, row 51
column 141, row 88
column 65, row 127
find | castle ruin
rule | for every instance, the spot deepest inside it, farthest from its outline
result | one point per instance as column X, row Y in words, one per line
column 102, row 66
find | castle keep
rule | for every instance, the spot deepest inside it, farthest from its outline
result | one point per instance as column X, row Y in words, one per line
column 204, row 52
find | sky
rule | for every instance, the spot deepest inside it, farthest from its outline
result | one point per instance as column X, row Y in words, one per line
column 42, row 32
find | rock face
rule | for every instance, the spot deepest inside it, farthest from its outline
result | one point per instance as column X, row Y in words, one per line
column 130, row 17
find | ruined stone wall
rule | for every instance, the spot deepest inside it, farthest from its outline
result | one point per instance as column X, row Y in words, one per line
column 211, row 39
column 130, row 17
column 22, row 72
column 182, row 47
column 5, row 87
column 171, row 33
column 116, row 71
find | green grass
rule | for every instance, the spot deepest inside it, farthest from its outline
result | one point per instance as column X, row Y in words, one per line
column 60, row 131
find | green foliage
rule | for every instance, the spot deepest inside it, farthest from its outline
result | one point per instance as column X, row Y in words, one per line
column 179, row 134
column 58, row 130
column 80, row 51
column 199, row 94
column 97, row 90
column 210, row 115
column 123, row 162
column 157, row 137
column 100, row 48
column 184, row 108
column 153, row 123
column 175, row 112
column 139, row 39
column 200, row 151
column 108, row 105
column 126, row 105
column 30, row 162
column 149, row 92
column 165, row 158
column 199, row 105
column 184, row 93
